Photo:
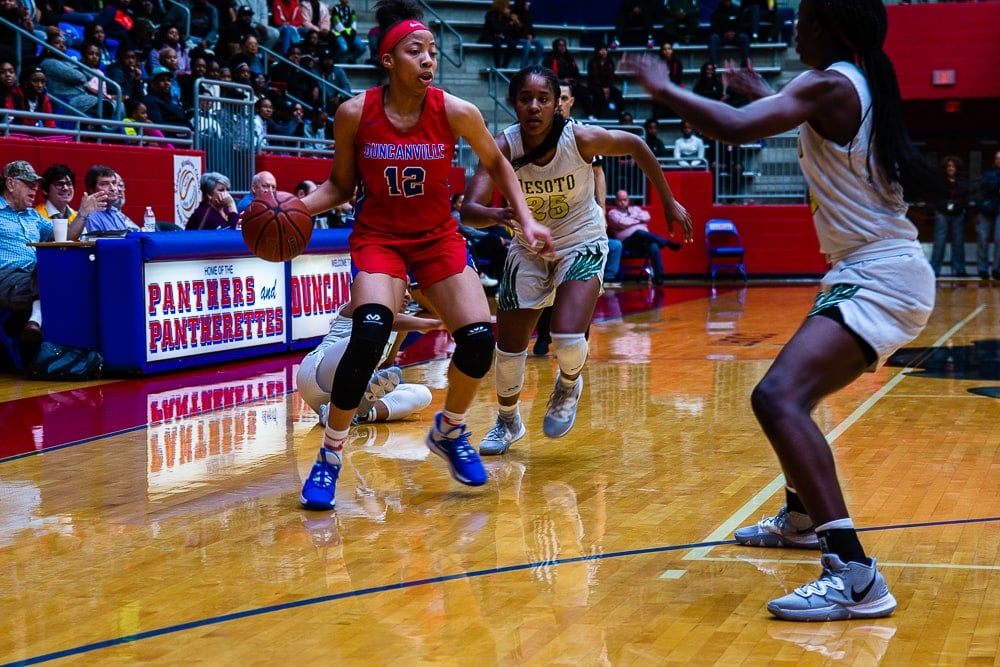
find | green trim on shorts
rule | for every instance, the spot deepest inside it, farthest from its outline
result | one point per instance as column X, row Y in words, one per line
column 834, row 296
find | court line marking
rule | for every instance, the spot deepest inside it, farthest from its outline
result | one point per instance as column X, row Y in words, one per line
column 742, row 515
column 474, row 574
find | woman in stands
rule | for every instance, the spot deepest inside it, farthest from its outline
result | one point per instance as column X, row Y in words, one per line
column 553, row 160
column 861, row 169
column 32, row 96
column 396, row 142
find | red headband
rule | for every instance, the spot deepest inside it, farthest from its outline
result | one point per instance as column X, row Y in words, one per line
column 396, row 33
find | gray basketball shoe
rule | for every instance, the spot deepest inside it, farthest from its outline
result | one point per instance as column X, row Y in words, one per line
column 499, row 438
column 561, row 413
column 843, row 591
column 382, row 382
column 785, row 529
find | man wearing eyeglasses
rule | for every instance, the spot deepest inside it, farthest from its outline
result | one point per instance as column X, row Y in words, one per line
column 59, row 188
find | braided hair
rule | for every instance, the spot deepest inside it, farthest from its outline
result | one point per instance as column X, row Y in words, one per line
column 558, row 122
column 861, row 26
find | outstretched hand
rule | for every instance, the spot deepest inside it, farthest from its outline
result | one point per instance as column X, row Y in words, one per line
column 746, row 81
column 674, row 212
column 651, row 70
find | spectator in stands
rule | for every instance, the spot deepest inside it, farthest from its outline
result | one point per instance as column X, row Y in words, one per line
column 50, row 15
column 676, row 69
column 263, row 181
column 217, row 209
column 630, row 225
column 988, row 224
column 758, row 12
column 321, row 221
column 94, row 34
column 523, row 33
column 70, row 84
column 345, row 36
column 316, row 18
column 199, row 70
column 567, row 71
column 169, row 37
column 689, row 149
column 727, row 30
column 497, row 32
column 261, row 86
column 287, row 16
column 32, row 96
column 680, row 20
column 139, row 39
column 106, row 217
column 116, row 19
column 950, row 216
column 319, row 127
column 8, row 83
column 127, row 73
column 605, row 97
column 312, row 46
column 329, row 71
column 20, row 225
column 161, row 108
column 709, row 84
column 233, row 35
column 259, row 10
column 284, row 123
column 297, row 83
column 136, row 112
column 263, row 110
column 16, row 13
column 250, row 54
column 203, row 25
column 653, row 140
column 243, row 75
column 635, row 21
column 58, row 187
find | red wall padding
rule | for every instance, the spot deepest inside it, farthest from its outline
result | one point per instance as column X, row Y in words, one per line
column 779, row 239
column 148, row 172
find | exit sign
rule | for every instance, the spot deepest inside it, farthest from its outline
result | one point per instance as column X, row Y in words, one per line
column 943, row 77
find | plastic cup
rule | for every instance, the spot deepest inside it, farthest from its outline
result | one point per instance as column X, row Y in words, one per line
column 60, row 228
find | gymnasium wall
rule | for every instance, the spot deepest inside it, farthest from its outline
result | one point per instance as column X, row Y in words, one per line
column 779, row 239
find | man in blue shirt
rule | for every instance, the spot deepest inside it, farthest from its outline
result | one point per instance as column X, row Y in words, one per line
column 107, row 218
column 20, row 225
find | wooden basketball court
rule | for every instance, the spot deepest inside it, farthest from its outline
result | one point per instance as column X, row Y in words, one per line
column 156, row 520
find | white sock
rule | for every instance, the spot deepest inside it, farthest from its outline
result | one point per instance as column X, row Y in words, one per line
column 36, row 312
column 333, row 445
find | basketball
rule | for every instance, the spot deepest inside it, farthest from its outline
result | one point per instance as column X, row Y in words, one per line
column 277, row 227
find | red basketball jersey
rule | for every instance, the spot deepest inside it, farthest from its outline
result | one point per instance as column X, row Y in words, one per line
column 404, row 175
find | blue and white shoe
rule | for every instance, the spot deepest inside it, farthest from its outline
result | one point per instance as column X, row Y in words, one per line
column 320, row 488
column 464, row 462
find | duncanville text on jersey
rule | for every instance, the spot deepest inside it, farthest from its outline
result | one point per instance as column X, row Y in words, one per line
column 379, row 151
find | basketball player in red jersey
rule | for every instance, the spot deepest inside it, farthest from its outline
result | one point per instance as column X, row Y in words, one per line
column 396, row 142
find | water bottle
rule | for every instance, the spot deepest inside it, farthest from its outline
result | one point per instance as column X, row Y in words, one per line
column 624, row 88
column 149, row 220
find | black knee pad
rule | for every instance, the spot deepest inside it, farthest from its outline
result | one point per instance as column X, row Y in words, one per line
column 474, row 345
column 369, row 335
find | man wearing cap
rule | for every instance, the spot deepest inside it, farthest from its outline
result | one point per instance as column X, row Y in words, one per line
column 248, row 23
column 20, row 225
column 159, row 105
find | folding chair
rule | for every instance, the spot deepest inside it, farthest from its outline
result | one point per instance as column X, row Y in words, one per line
column 725, row 250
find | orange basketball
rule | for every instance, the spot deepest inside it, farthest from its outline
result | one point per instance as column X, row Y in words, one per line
column 277, row 226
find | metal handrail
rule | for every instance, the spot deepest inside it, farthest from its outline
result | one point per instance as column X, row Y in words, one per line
column 494, row 79
column 9, row 129
column 443, row 25
column 321, row 82
column 106, row 83
column 187, row 17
